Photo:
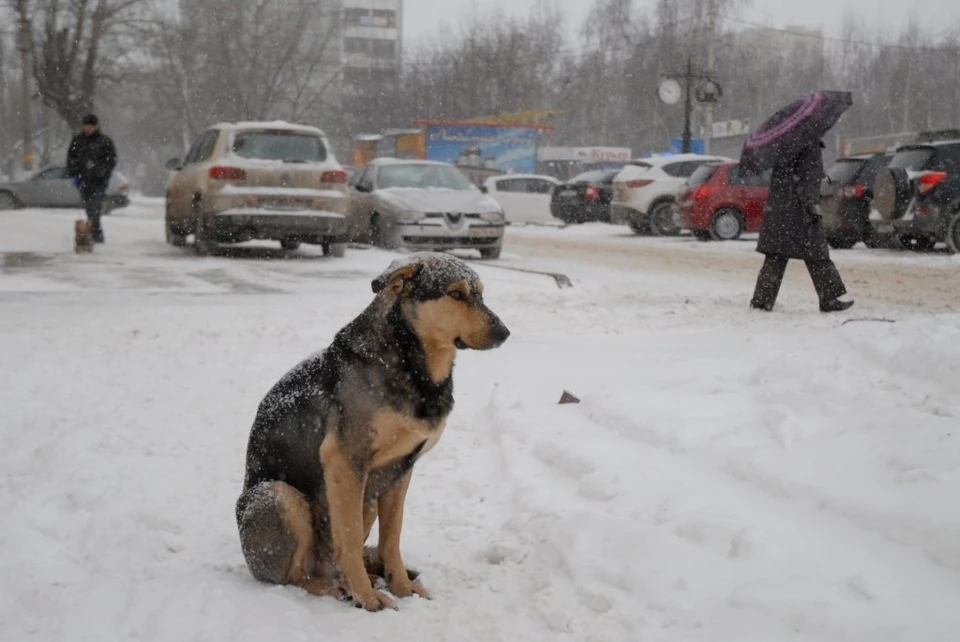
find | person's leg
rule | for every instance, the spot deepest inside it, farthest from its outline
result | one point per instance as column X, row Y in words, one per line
column 93, row 202
column 768, row 282
column 826, row 279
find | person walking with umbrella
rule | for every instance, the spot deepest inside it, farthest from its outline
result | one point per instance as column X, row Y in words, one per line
column 790, row 143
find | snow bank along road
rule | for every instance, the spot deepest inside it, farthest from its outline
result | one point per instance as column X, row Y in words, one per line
column 729, row 475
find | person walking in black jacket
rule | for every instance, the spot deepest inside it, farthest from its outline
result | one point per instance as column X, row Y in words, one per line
column 792, row 229
column 90, row 162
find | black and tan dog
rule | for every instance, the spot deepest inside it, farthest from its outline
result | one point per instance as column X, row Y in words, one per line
column 334, row 441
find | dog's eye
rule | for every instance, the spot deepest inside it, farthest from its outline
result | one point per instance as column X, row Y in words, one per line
column 457, row 295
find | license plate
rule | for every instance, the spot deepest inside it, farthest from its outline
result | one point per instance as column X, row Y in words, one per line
column 280, row 206
column 568, row 192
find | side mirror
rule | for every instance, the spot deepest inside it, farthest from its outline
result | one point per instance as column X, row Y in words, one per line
column 483, row 189
column 360, row 187
column 174, row 164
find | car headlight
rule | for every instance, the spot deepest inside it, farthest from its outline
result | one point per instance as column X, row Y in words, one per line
column 493, row 216
column 409, row 216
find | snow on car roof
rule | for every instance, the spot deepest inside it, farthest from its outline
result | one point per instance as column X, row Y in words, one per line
column 269, row 124
column 500, row 177
column 389, row 160
column 659, row 161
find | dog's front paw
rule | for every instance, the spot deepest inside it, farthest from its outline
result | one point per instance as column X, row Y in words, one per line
column 373, row 601
column 402, row 586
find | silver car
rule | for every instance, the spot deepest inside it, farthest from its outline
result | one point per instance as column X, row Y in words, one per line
column 423, row 205
column 51, row 187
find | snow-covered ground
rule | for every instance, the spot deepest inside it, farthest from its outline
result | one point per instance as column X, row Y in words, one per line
column 729, row 475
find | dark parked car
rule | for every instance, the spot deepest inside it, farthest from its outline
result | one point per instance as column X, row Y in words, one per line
column 585, row 197
column 918, row 196
column 51, row 187
column 720, row 204
column 845, row 199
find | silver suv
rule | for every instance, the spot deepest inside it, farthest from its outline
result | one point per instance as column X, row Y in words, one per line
column 266, row 180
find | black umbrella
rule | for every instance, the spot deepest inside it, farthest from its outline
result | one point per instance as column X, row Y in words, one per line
column 793, row 127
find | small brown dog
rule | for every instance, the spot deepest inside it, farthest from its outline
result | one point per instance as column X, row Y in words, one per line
column 83, row 236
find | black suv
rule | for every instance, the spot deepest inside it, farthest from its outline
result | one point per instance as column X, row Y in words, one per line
column 918, row 195
column 845, row 196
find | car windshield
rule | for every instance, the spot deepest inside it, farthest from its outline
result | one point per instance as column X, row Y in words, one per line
column 701, row 175
column 422, row 176
column 845, row 171
column 594, row 176
column 913, row 159
column 289, row 147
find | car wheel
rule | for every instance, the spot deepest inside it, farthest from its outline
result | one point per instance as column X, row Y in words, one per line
column 490, row 252
column 290, row 244
column 891, row 193
column 378, row 231
column 334, row 250
column 8, row 201
column 918, row 243
column 727, row 225
column 204, row 234
column 175, row 235
column 640, row 225
column 661, row 220
column 953, row 233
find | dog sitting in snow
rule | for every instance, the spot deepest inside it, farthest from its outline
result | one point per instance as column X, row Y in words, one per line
column 334, row 442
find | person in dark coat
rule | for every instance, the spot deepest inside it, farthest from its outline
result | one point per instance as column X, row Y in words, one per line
column 792, row 229
column 91, row 158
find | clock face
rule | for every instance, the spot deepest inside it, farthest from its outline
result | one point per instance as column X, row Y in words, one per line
column 670, row 91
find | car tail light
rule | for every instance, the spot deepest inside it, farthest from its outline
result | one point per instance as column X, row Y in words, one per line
column 222, row 173
column 334, row 176
column 123, row 188
column 702, row 192
column 591, row 192
column 928, row 181
column 638, row 183
column 853, row 191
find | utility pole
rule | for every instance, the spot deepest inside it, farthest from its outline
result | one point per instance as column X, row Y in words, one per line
column 25, row 93
column 673, row 87
column 687, row 105
column 711, row 71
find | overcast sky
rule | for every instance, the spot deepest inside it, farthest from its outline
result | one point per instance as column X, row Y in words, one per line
column 425, row 18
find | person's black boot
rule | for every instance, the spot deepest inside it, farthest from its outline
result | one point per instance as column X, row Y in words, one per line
column 835, row 305
column 766, row 307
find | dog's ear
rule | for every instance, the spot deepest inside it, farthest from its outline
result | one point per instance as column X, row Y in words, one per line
column 396, row 279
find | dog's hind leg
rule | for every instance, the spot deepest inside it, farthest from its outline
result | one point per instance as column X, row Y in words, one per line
column 277, row 538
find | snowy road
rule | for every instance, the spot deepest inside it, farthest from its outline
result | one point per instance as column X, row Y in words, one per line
column 729, row 475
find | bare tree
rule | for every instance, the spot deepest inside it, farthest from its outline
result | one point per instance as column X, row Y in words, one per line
column 246, row 59
column 71, row 48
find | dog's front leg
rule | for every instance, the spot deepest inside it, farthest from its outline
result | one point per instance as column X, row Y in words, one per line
column 344, row 487
column 390, row 508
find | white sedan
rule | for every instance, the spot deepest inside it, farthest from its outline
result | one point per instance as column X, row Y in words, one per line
column 525, row 198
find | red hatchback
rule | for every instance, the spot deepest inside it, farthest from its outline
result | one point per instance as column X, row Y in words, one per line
column 720, row 204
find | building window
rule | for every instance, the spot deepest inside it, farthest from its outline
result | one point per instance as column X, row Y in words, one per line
column 356, row 17
column 383, row 48
column 384, row 18
column 355, row 45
